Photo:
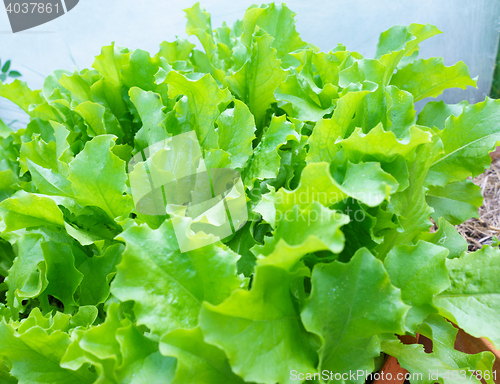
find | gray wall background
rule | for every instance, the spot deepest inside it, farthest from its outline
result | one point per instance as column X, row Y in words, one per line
column 470, row 33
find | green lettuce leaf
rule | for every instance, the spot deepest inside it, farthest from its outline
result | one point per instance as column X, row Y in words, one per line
column 204, row 97
column 456, row 202
column 27, row 275
column 400, row 41
column 98, row 177
column 282, row 342
column 349, row 307
column 327, row 131
column 265, row 162
column 444, row 364
column 62, row 275
column 429, row 78
column 27, row 210
column 36, row 354
column 169, row 287
column 256, row 81
column 467, row 140
column 97, row 273
column 435, row 113
column 472, row 299
column 236, row 127
column 197, row 361
column 420, row 272
column 448, row 237
column 119, row 352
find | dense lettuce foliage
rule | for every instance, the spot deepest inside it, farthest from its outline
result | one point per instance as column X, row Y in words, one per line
column 342, row 179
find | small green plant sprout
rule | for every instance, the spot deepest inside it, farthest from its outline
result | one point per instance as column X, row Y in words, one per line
column 495, row 242
column 6, row 72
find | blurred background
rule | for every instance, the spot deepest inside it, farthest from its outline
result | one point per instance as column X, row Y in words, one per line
column 470, row 33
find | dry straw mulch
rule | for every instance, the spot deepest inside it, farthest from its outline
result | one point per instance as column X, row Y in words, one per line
column 480, row 231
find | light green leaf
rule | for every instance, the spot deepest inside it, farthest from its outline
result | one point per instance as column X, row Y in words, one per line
column 93, row 114
column 467, row 140
column 282, row 341
column 398, row 42
column 5, row 376
column 39, row 152
column 327, row 131
column 265, row 163
column 400, row 111
column 62, row 275
column 19, row 93
column 98, row 346
column 374, row 108
column 457, row 202
column 167, row 286
column 316, row 184
column 85, row 316
column 97, row 273
column 429, row 78
column 82, row 236
column 26, row 277
column 197, row 361
column 236, row 127
column 101, row 340
column 420, row 272
column 327, row 65
column 304, row 102
column 382, row 145
column 49, row 182
column 108, row 90
column 58, row 322
column 98, row 177
column 63, row 150
column 278, row 21
column 446, row 236
column 150, row 108
column 410, row 205
column 473, row 300
column 366, row 182
column 204, row 97
column 301, row 231
column 435, row 113
column 199, row 24
column 109, row 63
column 445, row 364
column 139, row 71
column 178, row 50
column 8, row 184
column 89, row 346
column 142, row 363
column 350, row 305
column 9, row 154
column 35, row 356
column 5, row 131
column 256, row 81
column 120, row 353
column 26, row 210
column 78, row 86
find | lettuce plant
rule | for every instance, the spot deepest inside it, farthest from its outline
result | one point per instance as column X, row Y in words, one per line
column 342, row 179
